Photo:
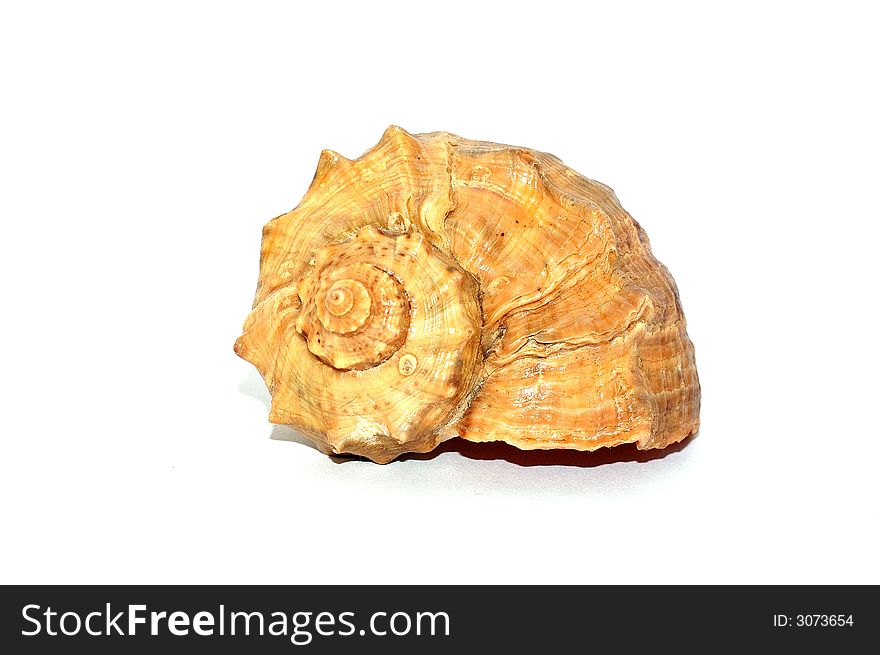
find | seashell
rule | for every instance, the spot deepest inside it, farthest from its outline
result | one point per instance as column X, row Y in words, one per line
column 438, row 287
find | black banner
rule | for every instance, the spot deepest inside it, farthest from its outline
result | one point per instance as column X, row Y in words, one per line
column 258, row 619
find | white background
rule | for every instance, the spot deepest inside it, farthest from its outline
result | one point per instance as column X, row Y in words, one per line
column 143, row 147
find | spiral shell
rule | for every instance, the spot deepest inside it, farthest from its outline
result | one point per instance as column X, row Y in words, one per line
column 439, row 287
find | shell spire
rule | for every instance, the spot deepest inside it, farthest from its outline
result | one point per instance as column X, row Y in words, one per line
column 438, row 287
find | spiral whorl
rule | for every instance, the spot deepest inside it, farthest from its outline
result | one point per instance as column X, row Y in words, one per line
column 355, row 316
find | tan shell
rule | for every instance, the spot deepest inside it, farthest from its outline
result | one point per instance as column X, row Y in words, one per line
column 440, row 287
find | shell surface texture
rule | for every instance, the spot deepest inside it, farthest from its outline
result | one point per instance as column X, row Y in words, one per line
column 438, row 287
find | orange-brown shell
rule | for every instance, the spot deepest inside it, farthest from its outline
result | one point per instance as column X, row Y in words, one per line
column 439, row 287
